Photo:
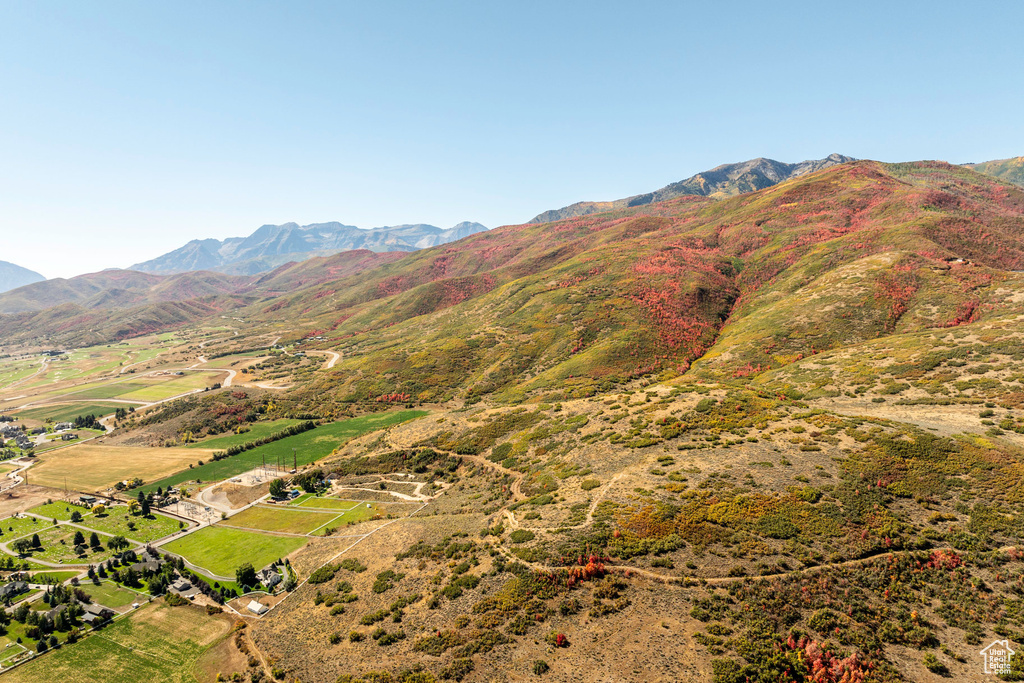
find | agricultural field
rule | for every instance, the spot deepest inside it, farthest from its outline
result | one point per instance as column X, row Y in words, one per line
column 281, row 519
column 257, row 430
column 94, row 467
column 67, row 412
column 220, row 550
column 111, row 595
column 154, row 643
column 308, row 447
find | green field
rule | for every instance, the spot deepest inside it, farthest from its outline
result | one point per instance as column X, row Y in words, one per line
column 256, row 431
column 55, row 576
column 171, row 387
column 115, row 521
column 68, row 412
column 11, row 528
column 324, row 503
column 111, row 595
column 156, row 643
column 283, row 519
column 146, row 529
column 309, row 447
column 221, row 550
column 58, row 546
column 58, row 510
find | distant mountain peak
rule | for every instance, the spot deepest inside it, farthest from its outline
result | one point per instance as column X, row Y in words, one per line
column 721, row 181
column 13, row 276
column 270, row 246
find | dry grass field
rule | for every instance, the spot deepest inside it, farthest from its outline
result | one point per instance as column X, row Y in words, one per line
column 95, row 466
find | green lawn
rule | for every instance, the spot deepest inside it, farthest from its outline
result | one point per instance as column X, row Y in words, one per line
column 156, row 643
column 114, row 522
column 117, row 519
column 58, row 510
column 256, row 431
column 68, row 412
column 111, row 595
column 12, row 528
column 287, row 520
column 309, row 447
column 58, row 546
column 324, row 503
column 221, row 550
column 55, row 576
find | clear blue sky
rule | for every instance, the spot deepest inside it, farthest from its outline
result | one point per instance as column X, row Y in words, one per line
column 128, row 128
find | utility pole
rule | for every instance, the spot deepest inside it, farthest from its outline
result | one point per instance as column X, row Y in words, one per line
column 295, row 461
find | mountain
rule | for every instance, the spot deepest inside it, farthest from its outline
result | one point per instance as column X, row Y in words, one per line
column 13, row 276
column 722, row 181
column 1010, row 170
column 120, row 290
column 273, row 245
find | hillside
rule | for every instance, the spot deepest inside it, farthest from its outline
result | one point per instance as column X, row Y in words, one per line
column 733, row 286
column 273, row 245
column 775, row 436
column 722, row 181
column 1010, row 170
column 13, row 276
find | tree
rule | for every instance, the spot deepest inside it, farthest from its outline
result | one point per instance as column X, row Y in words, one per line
column 134, row 506
column 94, row 540
column 118, row 543
column 141, row 498
column 35, row 541
column 79, row 538
column 278, row 488
column 76, row 517
column 145, row 507
column 99, row 509
column 245, row 575
column 22, row 546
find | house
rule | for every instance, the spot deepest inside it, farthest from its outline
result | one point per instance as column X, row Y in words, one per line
column 37, row 430
column 68, row 437
column 55, row 611
column 997, row 657
column 61, row 426
column 181, row 586
column 96, row 614
column 256, row 608
column 268, row 577
column 146, row 567
column 9, row 590
column 87, row 500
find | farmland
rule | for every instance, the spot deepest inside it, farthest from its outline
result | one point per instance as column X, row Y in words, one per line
column 156, row 643
column 256, row 431
column 111, row 595
column 220, row 550
column 308, row 447
column 67, row 412
column 92, row 467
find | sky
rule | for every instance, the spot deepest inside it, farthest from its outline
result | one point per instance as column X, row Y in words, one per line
column 128, row 128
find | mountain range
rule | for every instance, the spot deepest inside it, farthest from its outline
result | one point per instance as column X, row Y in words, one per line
column 273, row 245
column 13, row 276
column 722, row 181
